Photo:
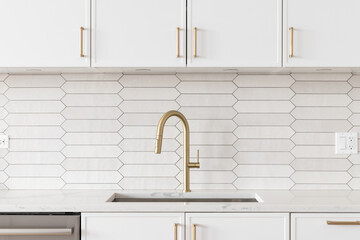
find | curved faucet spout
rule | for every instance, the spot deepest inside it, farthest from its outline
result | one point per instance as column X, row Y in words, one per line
column 159, row 138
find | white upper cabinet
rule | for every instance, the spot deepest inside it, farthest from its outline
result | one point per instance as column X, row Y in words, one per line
column 325, row 33
column 138, row 33
column 44, row 33
column 234, row 33
column 235, row 226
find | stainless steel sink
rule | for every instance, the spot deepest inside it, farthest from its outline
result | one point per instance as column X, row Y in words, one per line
column 185, row 197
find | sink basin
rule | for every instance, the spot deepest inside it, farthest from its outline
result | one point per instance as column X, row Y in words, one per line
column 185, row 197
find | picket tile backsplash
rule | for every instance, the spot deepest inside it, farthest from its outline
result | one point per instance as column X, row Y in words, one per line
column 97, row 131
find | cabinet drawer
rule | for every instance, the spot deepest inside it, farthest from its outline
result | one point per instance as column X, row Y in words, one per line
column 235, row 226
column 316, row 226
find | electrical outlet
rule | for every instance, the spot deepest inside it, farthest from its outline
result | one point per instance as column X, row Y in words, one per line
column 346, row 143
column 4, row 141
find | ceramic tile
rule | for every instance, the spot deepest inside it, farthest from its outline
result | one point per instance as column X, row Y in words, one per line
column 208, row 112
column 137, row 183
column 321, row 113
column 92, row 138
column 34, row 106
column 3, row 76
column 34, row 93
column 148, row 106
column 147, row 132
column 321, row 187
column 149, row 81
column 264, row 145
column 318, row 164
column 34, row 119
column 210, row 138
column 149, row 158
column 91, row 151
column 34, row 171
column 46, row 158
column 264, row 106
column 337, row 77
column 3, row 87
column 144, row 119
column 313, row 139
column 91, row 125
column 91, row 164
column 35, row 132
column 32, row 183
column 149, row 171
column 91, row 177
column 263, row 132
column 206, row 100
column 36, row 145
column 264, row 81
column 35, row 81
column 92, row 113
column 355, row 81
column 206, row 87
column 321, row 87
column 149, row 94
column 321, row 177
column 91, row 76
column 316, row 152
column 94, row 100
column 264, row 93
column 264, row 158
column 148, row 145
column 323, row 126
column 3, row 100
column 263, row 171
column 94, row 186
column 321, row 100
column 92, row 87
column 212, row 125
column 210, row 177
column 206, row 76
column 264, row 183
column 255, row 119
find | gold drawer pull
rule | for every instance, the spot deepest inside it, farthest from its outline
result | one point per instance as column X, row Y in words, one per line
column 175, row 231
column 291, row 49
column 82, row 42
column 177, row 42
column 341, row 223
column 194, row 232
column 195, row 42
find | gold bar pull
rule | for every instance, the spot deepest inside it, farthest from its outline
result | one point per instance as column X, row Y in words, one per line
column 291, row 48
column 194, row 232
column 343, row 223
column 177, row 42
column 195, row 42
column 175, row 231
column 82, row 42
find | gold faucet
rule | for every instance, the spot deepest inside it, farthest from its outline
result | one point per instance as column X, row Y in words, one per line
column 187, row 163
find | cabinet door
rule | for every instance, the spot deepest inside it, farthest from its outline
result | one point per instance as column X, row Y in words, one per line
column 44, row 33
column 315, row 226
column 138, row 33
column 326, row 33
column 235, row 226
column 132, row 226
column 234, row 33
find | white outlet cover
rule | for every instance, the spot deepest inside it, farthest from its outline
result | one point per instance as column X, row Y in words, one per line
column 346, row 143
column 4, row 141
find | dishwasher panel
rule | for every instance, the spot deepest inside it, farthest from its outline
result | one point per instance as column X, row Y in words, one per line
column 40, row 227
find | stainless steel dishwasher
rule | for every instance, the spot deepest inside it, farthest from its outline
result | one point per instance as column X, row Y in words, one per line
column 40, row 226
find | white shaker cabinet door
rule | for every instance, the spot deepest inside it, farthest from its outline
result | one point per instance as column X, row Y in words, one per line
column 325, row 226
column 235, row 226
column 132, row 226
column 44, row 33
column 138, row 33
column 326, row 33
column 234, row 33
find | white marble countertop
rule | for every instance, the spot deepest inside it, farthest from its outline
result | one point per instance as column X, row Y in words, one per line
column 96, row 201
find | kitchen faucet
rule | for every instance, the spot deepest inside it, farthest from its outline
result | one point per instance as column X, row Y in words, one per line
column 187, row 163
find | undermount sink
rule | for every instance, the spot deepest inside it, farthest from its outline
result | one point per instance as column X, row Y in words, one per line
column 185, row 197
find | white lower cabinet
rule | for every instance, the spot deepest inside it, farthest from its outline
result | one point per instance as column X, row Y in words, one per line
column 235, row 226
column 132, row 226
column 167, row 226
column 319, row 226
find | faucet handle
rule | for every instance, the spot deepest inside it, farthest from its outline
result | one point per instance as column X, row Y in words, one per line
column 195, row 164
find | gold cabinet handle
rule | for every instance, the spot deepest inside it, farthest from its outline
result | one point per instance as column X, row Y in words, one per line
column 195, row 42
column 175, row 231
column 291, row 48
column 342, row 223
column 82, row 42
column 177, row 42
column 194, row 232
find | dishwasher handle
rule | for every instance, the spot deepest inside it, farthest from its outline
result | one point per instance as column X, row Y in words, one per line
column 36, row 231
